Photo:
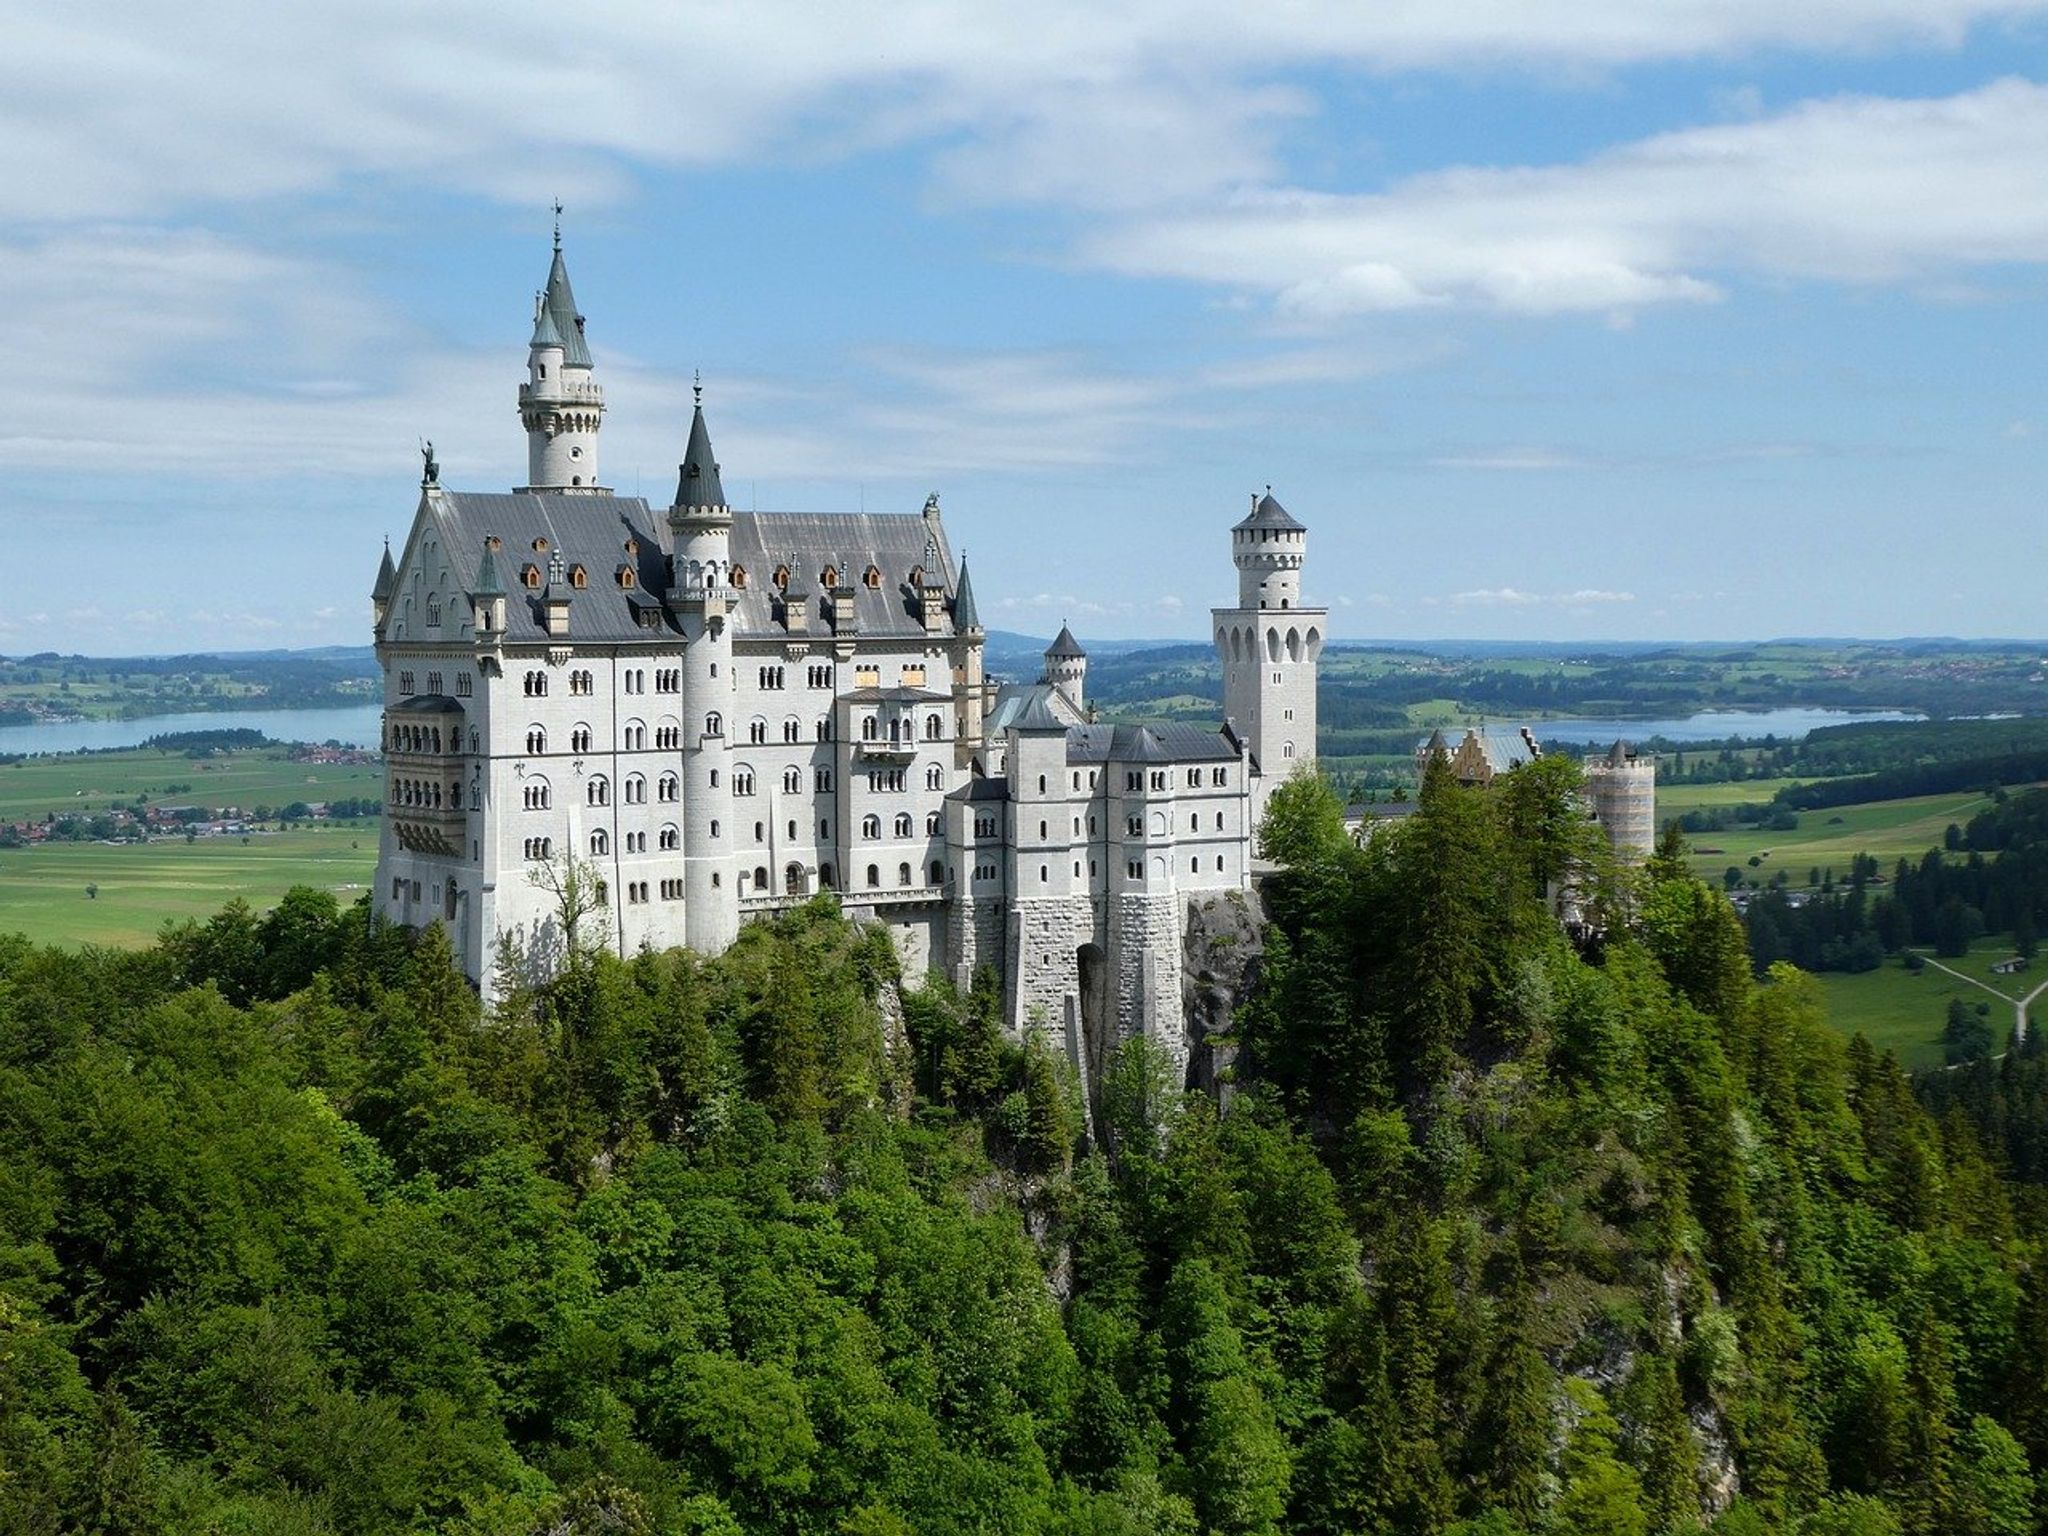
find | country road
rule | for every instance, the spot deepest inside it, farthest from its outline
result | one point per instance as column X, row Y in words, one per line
column 2019, row 1005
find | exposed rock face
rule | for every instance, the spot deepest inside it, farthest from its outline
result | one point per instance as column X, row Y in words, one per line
column 1220, row 955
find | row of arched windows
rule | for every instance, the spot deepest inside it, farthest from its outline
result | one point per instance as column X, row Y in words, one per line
column 903, row 826
column 425, row 795
column 419, row 738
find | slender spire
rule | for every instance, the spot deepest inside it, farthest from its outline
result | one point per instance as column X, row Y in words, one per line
column 965, row 618
column 488, row 582
column 560, row 303
column 545, row 332
column 387, row 576
column 698, row 485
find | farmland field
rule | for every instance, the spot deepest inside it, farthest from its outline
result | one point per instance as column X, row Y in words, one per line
column 1903, row 1011
column 85, row 783
column 43, row 888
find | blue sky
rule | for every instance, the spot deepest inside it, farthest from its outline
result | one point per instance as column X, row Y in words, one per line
column 1690, row 320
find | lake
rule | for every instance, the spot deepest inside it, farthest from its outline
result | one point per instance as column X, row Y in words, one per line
column 1789, row 724
column 360, row 725
column 356, row 724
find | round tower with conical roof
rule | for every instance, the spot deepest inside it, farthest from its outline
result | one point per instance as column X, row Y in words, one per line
column 700, row 600
column 561, row 404
column 1066, row 668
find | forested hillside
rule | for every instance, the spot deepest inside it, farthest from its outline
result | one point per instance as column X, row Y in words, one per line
column 1497, row 1235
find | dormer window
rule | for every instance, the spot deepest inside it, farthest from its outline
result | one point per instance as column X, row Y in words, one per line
column 739, row 578
column 493, row 543
column 632, row 548
column 626, row 577
column 829, row 578
column 529, row 576
column 781, row 578
column 578, row 577
column 540, row 546
column 873, row 578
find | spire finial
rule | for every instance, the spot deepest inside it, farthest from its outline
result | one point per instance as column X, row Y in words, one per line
column 558, row 223
column 697, row 387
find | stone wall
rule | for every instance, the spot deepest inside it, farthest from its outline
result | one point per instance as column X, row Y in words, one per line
column 1145, row 956
column 1222, row 949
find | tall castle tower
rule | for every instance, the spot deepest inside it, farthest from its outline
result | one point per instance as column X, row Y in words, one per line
column 560, row 404
column 700, row 524
column 1269, row 645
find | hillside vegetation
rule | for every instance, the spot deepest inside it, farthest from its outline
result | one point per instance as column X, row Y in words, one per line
column 1497, row 1235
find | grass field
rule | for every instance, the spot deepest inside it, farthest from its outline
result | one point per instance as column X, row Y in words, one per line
column 87, row 782
column 1904, row 1011
column 1886, row 829
column 42, row 889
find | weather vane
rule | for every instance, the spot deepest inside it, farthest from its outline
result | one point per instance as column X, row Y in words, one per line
column 558, row 223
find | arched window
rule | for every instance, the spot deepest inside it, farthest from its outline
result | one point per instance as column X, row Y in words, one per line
column 870, row 728
column 932, row 822
column 903, row 823
column 871, row 826
column 792, row 781
column 935, row 777
column 792, row 729
column 636, row 737
column 903, row 874
column 713, row 725
column 536, row 740
column 598, row 791
column 600, row 843
column 825, row 878
column 743, row 781
column 636, row 790
column 671, row 838
column 536, row 795
column 579, row 738
column 932, row 728
column 938, row 874
column 874, row 876
column 757, row 731
column 670, row 788
column 761, row 879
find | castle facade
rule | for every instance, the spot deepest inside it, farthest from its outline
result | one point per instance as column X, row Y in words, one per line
column 700, row 715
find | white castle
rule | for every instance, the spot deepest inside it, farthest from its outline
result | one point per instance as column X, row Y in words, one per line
column 720, row 713
column 725, row 712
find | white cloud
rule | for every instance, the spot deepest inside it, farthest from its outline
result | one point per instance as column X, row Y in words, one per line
column 1852, row 189
column 114, row 107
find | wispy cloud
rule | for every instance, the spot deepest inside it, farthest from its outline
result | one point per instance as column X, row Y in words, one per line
column 1513, row 597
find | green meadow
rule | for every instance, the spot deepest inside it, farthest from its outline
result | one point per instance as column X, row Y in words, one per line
column 141, row 885
column 1904, row 1011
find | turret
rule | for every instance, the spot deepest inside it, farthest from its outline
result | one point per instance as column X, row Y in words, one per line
column 968, row 688
column 386, row 584
column 560, row 403
column 700, row 595
column 487, row 600
column 555, row 601
column 1268, row 548
column 1066, row 668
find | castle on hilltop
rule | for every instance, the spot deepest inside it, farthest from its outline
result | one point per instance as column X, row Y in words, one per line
column 718, row 713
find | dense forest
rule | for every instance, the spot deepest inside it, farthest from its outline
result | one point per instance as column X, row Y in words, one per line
column 1496, row 1232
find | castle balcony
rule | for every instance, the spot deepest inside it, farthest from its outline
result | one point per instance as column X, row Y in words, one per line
column 894, row 752
column 561, row 393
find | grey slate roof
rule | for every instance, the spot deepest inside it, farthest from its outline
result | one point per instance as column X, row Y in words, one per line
column 1013, row 699
column 697, row 482
column 892, row 542
column 590, row 531
column 896, row 696
column 1168, row 742
column 545, row 331
column 1064, row 644
column 965, row 616
column 982, row 789
column 387, row 576
column 1268, row 513
column 561, row 307
column 1037, row 716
